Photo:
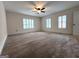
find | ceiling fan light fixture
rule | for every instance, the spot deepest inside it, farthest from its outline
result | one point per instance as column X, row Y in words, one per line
column 39, row 11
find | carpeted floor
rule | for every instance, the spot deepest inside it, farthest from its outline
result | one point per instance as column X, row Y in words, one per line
column 41, row 45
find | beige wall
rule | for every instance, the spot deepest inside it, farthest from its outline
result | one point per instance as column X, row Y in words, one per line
column 3, row 30
column 54, row 18
column 76, row 22
column 15, row 24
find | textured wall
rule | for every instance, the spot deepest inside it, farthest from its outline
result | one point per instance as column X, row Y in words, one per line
column 15, row 23
column 54, row 18
column 3, row 30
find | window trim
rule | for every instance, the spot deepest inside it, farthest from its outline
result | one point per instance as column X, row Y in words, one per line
column 32, row 27
column 61, row 21
column 49, row 27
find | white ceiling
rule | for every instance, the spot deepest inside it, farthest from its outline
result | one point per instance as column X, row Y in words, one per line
column 25, row 7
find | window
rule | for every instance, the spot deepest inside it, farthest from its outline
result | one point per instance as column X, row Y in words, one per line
column 48, row 23
column 62, row 21
column 28, row 23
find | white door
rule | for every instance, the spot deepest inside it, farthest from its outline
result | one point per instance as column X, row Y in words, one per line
column 76, row 23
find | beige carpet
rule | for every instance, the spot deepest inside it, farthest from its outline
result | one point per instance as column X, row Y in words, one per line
column 41, row 45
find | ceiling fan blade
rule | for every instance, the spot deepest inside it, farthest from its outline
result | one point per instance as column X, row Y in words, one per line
column 42, row 8
column 43, row 11
column 36, row 8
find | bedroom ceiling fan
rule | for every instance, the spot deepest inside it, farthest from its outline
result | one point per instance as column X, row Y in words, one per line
column 39, row 10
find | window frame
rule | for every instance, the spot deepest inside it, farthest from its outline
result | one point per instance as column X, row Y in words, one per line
column 48, row 26
column 31, row 25
column 62, row 22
